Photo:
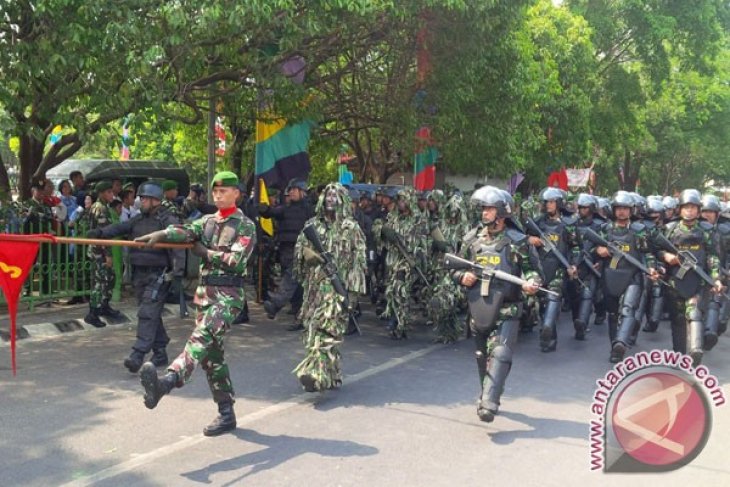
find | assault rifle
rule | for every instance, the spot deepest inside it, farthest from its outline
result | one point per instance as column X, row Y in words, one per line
column 330, row 269
column 550, row 246
column 687, row 261
column 454, row 262
column 616, row 251
column 392, row 237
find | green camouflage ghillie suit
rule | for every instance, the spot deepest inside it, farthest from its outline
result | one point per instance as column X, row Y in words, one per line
column 450, row 224
column 219, row 296
column 324, row 314
column 103, row 273
column 412, row 230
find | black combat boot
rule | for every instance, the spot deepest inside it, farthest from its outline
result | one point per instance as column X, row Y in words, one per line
column 134, row 361
column 93, row 319
column 159, row 357
column 226, row 420
column 270, row 309
column 109, row 312
column 154, row 387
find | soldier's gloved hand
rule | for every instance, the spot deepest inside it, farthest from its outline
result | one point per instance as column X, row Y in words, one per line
column 200, row 250
column 389, row 234
column 152, row 238
column 441, row 246
column 311, row 257
column 94, row 233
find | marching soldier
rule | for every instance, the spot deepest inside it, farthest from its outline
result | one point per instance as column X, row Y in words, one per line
column 224, row 241
column 714, row 325
column 691, row 236
column 405, row 234
column 623, row 281
column 152, row 272
column 496, row 244
column 560, row 230
column 325, row 312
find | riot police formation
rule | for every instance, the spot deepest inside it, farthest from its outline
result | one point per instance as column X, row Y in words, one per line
column 496, row 244
column 554, row 251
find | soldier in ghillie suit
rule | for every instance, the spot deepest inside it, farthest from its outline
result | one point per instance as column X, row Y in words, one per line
column 448, row 226
column 325, row 312
column 224, row 241
column 404, row 226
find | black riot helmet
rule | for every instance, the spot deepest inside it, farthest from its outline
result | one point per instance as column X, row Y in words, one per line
column 150, row 190
column 622, row 198
column 690, row 197
column 669, row 202
column 710, row 202
column 586, row 200
column 553, row 194
column 490, row 196
column 654, row 204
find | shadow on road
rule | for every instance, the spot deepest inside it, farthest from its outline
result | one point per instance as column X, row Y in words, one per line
column 540, row 428
column 279, row 449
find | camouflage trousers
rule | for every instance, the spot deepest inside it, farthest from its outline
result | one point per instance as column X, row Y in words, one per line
column 324, row 326
column 102, row 279
column 205, row 347
column 398, row 295
column 442, row 308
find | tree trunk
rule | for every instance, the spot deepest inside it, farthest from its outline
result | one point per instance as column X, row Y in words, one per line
column 30, row 157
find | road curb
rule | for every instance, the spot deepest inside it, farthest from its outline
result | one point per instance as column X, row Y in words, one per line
column 63, row 326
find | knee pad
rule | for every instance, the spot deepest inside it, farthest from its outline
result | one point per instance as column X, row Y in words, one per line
column 502, row 354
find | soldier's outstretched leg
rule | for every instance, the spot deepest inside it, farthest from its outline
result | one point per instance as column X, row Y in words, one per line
column 712, row 323
column 499, row 363
column 599, row 305
column 549, row 331
column 676, row 310
column 626, row 326
column 695, row 333
column 156, row 387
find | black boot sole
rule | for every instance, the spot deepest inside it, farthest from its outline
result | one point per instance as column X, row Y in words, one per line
column 150, row 382
column 219, row 430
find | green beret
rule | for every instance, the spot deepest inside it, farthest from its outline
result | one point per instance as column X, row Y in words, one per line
column 225, row 178
column 169, row 184
column 103, row 186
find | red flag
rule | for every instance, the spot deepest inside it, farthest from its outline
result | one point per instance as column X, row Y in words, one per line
column 16, row 259
column 558, row 179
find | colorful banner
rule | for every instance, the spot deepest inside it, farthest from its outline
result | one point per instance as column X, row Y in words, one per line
column 266, row 224
column 424, row 165
column 16, row 259
column 281, row 151
column 578, row 177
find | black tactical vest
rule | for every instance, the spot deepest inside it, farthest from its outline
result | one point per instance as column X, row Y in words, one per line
column 618, row 274
column 555, row 231
column 686, row 282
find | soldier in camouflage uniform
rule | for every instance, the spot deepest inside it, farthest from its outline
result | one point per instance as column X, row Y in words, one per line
column 103, row 274
column 324, row 314
column 560, row 230
column 497, row 243
column 447, row 229
column 404, row 224
column 687, row 295
column 224, row 241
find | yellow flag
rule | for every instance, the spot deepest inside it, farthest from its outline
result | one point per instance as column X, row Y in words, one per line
column 266, row 224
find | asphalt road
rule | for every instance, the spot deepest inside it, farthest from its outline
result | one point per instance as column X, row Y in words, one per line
column 405, row 415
